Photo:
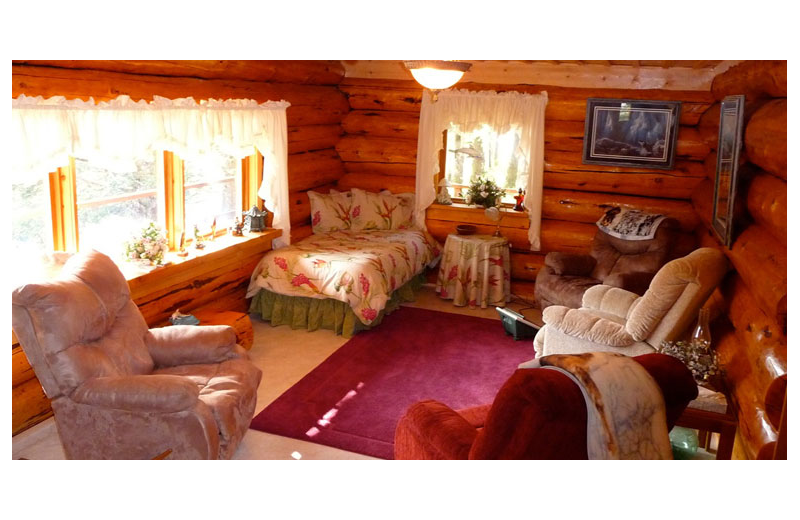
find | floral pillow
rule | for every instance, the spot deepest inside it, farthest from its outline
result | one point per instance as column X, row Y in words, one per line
column 329, row 212
column 381, row 210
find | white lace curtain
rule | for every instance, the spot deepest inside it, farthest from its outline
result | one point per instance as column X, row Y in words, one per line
column 46, row 132
column 504, row 111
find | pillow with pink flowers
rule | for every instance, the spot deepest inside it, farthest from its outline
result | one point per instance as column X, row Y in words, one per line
column 380, row 210
column 329, row 212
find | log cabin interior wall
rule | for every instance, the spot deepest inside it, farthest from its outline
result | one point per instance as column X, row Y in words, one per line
column 347, row 132
column 751, row 342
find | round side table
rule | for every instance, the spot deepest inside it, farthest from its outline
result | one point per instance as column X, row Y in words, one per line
column 475, row 271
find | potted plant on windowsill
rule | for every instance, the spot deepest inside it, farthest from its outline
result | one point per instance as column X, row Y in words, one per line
column 484, row 192
column 148, row 247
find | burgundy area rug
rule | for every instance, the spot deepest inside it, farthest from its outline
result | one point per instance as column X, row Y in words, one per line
column 354, row 399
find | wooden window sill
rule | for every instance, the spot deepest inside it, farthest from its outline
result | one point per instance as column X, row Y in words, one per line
column 142, row 275
column 469, row 214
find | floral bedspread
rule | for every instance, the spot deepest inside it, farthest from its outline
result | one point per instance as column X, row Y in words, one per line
column 360, row 268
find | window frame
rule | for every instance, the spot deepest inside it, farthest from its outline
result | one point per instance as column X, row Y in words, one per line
column 169, row 193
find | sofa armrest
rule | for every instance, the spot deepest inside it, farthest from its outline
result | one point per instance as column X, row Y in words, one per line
column 611, row 300
column 188, row 344
column 585, row 325
column 140, row 393
column 570, row 264
column 432, row 430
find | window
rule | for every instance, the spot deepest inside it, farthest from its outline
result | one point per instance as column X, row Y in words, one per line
column 30, row 227
column 483, row 153
column 113, row 205
column 86, row 205
column 210, row 190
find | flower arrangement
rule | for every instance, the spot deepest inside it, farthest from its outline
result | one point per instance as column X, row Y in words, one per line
column 698, row 357
column 150, row 245
column 484, row 192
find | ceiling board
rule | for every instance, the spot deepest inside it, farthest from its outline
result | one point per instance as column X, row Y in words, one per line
column 630, row 74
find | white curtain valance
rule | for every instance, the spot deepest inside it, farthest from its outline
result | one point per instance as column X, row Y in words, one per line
column 521, row 112
column 46, row 132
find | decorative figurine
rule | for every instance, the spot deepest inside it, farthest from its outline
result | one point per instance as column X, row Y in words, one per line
column 178, row 318
column 214, row 229
column 198, row 240
column 182, row 248
column 237, row 228
column 520, row 199
column 254, row 219
column 444, row 196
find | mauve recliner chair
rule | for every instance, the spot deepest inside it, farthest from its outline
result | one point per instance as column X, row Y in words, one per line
column 120, row 390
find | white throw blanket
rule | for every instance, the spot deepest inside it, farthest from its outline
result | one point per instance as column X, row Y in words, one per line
column 626, row 414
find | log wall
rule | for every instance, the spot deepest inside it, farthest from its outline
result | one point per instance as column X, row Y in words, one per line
column 314, row 126
column 751, row 341
column 378, row 150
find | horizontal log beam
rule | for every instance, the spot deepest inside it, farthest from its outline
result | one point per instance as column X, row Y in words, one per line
column 314, row 137
column 358, row 148
column 755, row 430
column 312, row 72
column 564, row 103
column 761, row 262
column 762, row 346
column 754, row 78
column 767, row 203
column 311, row 104
column 381, row 123
column 587, row 206
column 376, row 183
column 400, row 169
column 565, row 171
column 765, row 138
column 312, row 169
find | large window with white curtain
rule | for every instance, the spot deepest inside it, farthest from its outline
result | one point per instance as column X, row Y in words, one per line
column 502, row 133
column 88, row 175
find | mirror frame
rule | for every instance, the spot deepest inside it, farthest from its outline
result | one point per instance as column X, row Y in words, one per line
column 731, row 138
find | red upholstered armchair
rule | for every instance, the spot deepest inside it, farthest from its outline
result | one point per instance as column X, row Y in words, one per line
column 537, row 414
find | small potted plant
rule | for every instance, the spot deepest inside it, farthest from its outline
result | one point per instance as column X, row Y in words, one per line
column 148, row 246
column 484, row 192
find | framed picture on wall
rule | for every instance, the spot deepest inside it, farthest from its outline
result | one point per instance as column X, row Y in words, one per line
column 631, row 132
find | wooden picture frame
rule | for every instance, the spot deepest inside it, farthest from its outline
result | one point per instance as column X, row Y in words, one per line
column 631, row 132
column 731, row 128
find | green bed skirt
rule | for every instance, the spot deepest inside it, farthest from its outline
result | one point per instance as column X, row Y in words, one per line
column 311, row 314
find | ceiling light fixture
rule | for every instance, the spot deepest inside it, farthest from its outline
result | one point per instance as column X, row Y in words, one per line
column 437, row 74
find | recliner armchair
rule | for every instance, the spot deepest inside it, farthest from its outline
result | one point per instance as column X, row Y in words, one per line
column 615, row 320
column 120, row 390
column 537, row 414
column 629, row 264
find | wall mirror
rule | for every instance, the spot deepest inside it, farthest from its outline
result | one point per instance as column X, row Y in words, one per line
column 730, row 142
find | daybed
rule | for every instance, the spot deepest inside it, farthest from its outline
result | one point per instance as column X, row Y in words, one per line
column 363, row 260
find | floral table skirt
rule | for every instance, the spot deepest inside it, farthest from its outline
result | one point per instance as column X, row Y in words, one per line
column 475, row 271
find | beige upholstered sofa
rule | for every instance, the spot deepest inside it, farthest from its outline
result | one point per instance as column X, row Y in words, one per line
column 121, row 391
column 615, row 320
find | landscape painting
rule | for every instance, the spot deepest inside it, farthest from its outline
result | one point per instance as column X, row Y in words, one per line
column 631, row 132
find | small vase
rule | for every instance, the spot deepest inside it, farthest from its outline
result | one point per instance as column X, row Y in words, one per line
column 702, row 331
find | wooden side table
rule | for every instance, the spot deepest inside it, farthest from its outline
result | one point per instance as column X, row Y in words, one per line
column 475, row 271
column 711, row 413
